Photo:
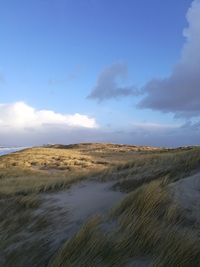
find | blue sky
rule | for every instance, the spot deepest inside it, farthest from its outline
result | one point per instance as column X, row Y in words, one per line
column 55, row 53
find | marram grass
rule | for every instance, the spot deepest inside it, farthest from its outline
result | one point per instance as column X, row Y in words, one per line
column 149, row 225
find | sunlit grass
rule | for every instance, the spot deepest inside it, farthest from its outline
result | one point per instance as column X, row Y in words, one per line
column 149, row 222
column 39, row 183
column 43, row 169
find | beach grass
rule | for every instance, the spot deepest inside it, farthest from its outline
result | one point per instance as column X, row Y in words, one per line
column 149, row 224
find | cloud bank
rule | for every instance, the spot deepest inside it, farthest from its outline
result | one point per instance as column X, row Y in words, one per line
column 107, row 84
column 180, row 92
column 22, row 124
column 19, row 115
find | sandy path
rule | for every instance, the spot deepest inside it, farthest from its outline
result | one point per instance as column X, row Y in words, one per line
column 186, row 193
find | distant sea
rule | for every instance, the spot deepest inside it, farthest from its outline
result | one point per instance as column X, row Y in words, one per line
column 8, row 150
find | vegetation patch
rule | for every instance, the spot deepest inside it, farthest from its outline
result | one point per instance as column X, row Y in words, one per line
column 150, row 225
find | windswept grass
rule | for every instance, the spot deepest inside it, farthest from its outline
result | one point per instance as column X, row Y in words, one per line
column 28, row 202
column 173, row 165
column 85, row 249
column 23, row 233
column 40, row 182
column 89, row 247
column 149, row 225
column 153, row 224
column 53, row 168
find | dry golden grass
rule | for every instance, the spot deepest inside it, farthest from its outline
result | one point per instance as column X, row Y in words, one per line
column 149, row 222
column 71, row 157
column 41, row 169
column 47, row 159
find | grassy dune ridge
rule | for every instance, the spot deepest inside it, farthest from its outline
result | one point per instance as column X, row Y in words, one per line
column 43, row 169
column 149, row 224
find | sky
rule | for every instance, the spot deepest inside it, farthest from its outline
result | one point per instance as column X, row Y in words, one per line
column 120, row 71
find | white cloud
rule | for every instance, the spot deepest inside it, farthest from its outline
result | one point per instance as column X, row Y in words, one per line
column 19, row 115
column 21, row 124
